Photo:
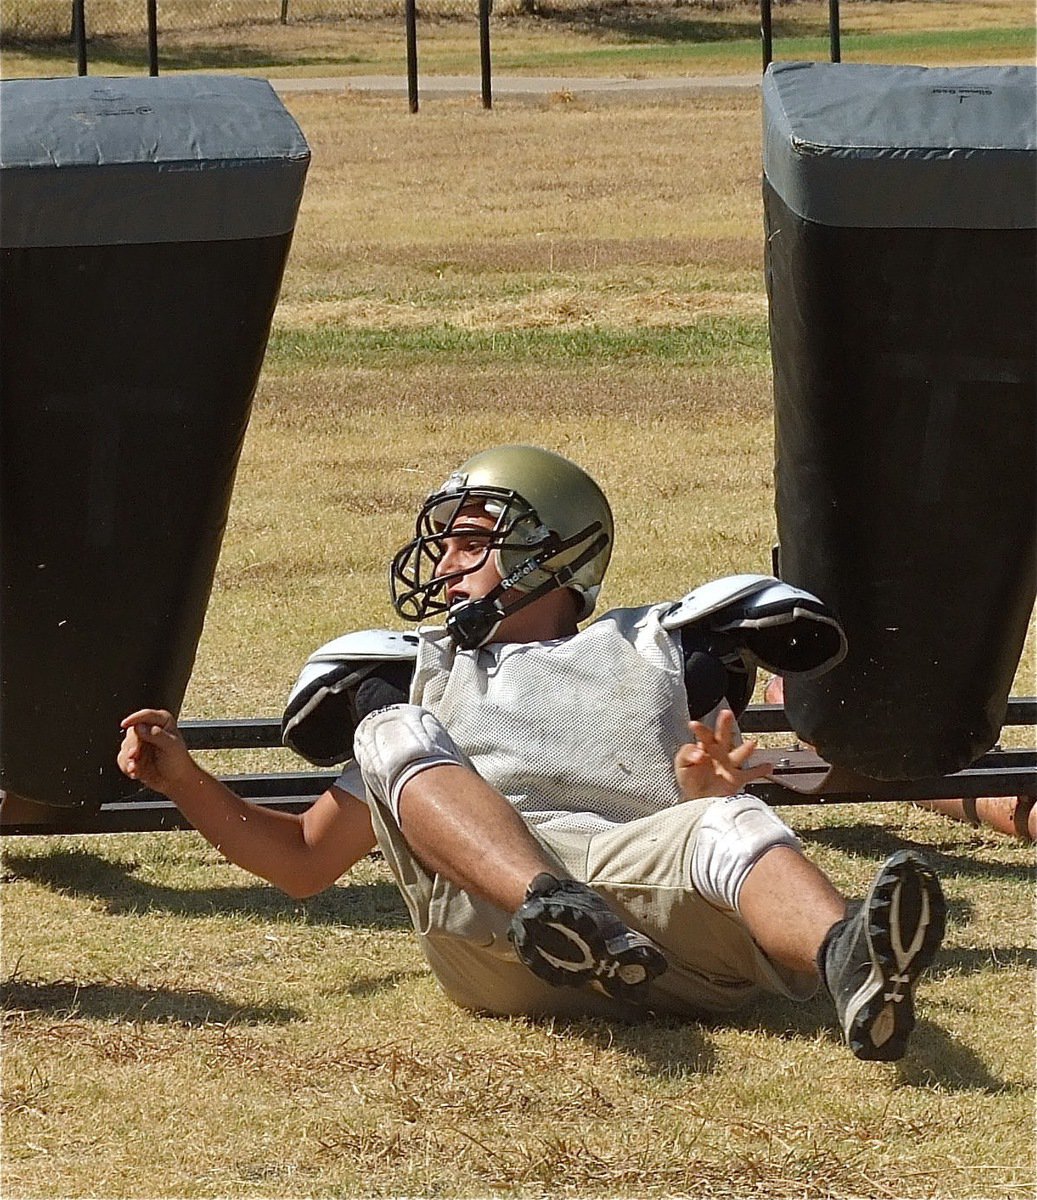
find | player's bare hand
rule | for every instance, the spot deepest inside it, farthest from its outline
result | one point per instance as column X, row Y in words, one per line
column 152, row 751
column 713, row 764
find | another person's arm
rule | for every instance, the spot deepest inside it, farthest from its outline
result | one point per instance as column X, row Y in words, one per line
column 299, row 853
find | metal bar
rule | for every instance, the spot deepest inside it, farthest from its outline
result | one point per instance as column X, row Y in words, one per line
column 764, row 718
column 1022, row 710
column 79, row 33
column 287, row 783
column 800, row 762
column 233, row 733
column 833, row 31
column 138, row 816
column 484, row 51
column 153, row 37
column 766, row 33
column 1007, row 758
column 1009, row 781
column 296, row 791
column 411, row 18
column 1001, row 772
column 292, row 791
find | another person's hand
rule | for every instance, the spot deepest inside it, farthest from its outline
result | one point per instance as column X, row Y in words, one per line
column 153, row 752
column 713, row 764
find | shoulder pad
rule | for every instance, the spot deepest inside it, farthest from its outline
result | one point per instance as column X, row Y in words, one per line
column 385, row 645
column 786, row 630
column 763, row 621
column 711, row 597
column 319, row 718
column 338, row 662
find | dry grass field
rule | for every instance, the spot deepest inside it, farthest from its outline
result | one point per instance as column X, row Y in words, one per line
column 589, row 280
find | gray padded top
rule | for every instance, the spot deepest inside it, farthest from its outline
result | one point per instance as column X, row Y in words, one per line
column 89, row 160
column 903, row 147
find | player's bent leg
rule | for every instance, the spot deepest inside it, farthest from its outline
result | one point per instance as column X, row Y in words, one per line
column 567, row 935
column 460, row 828
column 395, row 743
column 734, row 833
column 871, row 961
column 455, row 823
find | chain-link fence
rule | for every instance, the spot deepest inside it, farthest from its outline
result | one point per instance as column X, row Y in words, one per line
column 36, row 19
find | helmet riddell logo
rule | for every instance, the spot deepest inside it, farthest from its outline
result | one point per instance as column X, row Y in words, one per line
column 520, row 572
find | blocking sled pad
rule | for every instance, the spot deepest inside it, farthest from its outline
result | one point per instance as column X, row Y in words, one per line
column 143, row 233
column 900, row 209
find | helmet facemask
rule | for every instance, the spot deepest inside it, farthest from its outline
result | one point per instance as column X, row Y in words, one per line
column 417, row 591
column 530, row 558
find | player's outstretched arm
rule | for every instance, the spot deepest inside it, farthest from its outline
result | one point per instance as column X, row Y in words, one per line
column 713, row 764
column 153, row 752
column 300, row 853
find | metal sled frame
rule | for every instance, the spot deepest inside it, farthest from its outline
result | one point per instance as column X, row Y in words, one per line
column 800, row 777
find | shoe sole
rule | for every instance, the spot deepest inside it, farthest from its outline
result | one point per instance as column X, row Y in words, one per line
column 622, row 966
column 901, row 944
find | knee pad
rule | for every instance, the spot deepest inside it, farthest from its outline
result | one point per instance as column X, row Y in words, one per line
column 394, row 744
column 733, row 833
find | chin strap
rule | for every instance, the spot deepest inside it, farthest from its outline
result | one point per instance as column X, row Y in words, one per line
column 472, row 623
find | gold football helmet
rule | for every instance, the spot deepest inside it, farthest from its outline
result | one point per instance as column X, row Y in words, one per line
column 552, row 527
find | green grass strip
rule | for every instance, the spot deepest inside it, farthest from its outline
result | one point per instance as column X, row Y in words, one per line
column 1005, row 41
column 715, row 341
column 921, row 44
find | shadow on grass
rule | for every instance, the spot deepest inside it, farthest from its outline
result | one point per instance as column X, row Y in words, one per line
column 125, row 1002
column 948, row 858
column 671, row 1048
column 131, row 53
column 624, row 21
column 83, row 873
column 666, row 1047
column 383, row 983
column 967, row 960
column 933, row 1058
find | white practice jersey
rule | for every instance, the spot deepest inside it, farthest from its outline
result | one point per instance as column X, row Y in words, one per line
column 581, row 731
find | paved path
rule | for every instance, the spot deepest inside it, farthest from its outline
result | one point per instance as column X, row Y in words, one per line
column 524, row 87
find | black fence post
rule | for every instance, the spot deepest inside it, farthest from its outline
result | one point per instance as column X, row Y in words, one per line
column 284, row 12
column 833, row 31
column 484, row 51
column 767, row 32
column 79, row 33
column 153, row 37
column 411, row 13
